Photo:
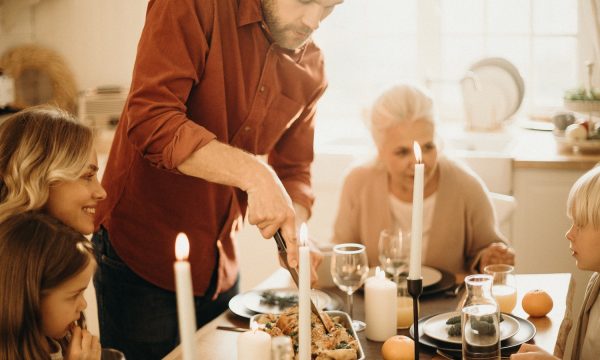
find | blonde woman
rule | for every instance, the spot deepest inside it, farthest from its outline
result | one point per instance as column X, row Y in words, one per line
column 459, row 229
column 48, row 163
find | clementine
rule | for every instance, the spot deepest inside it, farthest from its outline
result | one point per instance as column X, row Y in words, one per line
column 398, row 347
column 537, row 303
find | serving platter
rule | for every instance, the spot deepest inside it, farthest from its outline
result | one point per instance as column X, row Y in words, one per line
column 344, row 320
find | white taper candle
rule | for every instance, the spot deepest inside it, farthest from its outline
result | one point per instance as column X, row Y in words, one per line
column 304, row 312
column 185, row 297
column 414, row 272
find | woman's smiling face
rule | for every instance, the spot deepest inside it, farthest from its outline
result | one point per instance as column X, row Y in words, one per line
column 74, row 202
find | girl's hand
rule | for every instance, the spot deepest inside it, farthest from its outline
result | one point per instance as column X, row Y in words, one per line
column 83, row 346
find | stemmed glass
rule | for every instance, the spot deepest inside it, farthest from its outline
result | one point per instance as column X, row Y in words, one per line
column 349, row 269
column 504, row 288
column 394, row 251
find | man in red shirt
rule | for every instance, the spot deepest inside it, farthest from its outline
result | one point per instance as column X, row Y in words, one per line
column 215, row 84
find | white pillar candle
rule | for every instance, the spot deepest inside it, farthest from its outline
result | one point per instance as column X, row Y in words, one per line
column 304, row 311
column 185, row 297
column 254, row 345
column 414, row 272
column 380, row 307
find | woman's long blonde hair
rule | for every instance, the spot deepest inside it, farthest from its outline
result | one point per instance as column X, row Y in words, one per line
column 39, row 146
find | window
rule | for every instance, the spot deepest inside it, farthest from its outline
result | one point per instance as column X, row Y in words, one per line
column 370, row 45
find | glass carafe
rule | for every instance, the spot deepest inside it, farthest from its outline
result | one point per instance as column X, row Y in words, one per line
column 480, row 320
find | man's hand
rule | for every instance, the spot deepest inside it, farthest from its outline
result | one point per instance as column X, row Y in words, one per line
column 270, row 208
column 497, row 253
column 532, row 352
column 83, row 346
column 269, row 205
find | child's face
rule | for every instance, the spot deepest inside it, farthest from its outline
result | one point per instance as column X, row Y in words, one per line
column 62, row 306
column 74, row 202
column 585, row 246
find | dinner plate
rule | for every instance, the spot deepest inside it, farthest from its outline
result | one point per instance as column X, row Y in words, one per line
column 238, row 307
column 431, row 276
column 526, row 332
column 435, row 327
column 254, row 300
column 517, row 80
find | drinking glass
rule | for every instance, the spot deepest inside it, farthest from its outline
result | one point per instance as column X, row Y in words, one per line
column 111, row 354
column 349, row 269
column 394, row 251
column 504, row 287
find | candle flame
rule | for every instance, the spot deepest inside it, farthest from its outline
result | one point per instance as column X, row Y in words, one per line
column 417, row 150
column 182, row 247
column 303, row 234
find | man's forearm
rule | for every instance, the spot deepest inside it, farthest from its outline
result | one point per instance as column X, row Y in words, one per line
column 223, row 164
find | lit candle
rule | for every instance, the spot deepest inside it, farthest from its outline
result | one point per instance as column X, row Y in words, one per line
column 254, row 345
column 380, row 307
column 304, row 312
column 185, row 297
column 414, row 272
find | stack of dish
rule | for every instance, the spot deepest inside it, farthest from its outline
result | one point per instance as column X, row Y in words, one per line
column 433, row 333
column 493, row 91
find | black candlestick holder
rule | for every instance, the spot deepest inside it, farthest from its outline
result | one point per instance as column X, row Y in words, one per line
column 415, row 289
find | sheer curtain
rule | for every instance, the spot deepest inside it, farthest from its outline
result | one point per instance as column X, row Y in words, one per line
column 594, row 19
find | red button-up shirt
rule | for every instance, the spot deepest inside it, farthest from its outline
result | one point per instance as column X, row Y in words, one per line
column 205, row 69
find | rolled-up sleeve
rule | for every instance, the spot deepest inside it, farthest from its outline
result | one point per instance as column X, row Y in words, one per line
column 171, row 59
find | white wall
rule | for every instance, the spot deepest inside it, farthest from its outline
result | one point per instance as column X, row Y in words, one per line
column 97, row 38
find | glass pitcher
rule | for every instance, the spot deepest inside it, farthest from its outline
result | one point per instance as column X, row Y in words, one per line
column 480, row 320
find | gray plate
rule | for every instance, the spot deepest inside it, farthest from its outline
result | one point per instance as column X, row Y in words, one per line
column 344, row 320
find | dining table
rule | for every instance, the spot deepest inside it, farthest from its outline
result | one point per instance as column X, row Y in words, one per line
column 551, row 330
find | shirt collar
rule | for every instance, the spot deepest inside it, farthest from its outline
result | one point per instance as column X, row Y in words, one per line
column 250, row 11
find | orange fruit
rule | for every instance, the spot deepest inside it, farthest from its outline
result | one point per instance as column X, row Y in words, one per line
column 537, row 303
column 398, row 347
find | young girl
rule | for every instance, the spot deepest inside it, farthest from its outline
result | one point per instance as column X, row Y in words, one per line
column 46, row 266
column 48, row 162
column 583, row 208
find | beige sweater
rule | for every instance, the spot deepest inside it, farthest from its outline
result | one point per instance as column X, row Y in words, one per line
column 463, row 220
column 590, row 297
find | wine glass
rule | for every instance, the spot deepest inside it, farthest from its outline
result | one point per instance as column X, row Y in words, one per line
column 504, row 287
column 394, row 251
column 349, row 269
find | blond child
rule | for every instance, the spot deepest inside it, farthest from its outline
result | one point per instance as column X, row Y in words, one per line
column 46, row 266
column 583, row 208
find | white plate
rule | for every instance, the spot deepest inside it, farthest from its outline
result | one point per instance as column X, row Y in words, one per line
column 512, row 70
column 435, row 327
column 430, row 275
column 252, row 300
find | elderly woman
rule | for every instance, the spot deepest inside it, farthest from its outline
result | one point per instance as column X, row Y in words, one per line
column 459, row 228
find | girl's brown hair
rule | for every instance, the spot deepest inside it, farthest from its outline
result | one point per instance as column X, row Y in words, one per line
column 38, row 253
column 39, row 146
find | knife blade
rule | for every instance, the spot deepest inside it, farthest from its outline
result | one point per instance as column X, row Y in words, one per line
column 282, row 250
